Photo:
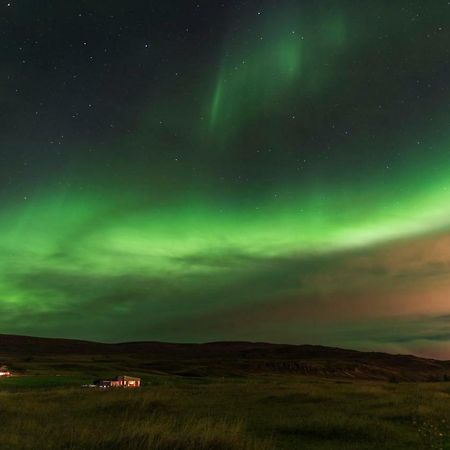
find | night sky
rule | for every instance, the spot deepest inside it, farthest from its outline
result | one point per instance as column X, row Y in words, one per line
column 227, row 170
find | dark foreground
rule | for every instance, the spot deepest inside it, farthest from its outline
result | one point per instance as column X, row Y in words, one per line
column 255, row 412
column 220, row 396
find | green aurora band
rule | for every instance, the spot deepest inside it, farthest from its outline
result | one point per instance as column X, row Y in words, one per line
column 161, row 239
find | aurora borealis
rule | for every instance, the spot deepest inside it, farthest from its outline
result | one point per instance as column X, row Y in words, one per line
column 240, row 170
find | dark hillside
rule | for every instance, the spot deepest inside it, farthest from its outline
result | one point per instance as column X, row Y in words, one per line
column 223, row 358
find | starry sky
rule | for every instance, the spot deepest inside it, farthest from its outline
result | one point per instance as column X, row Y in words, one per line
column 243, row 170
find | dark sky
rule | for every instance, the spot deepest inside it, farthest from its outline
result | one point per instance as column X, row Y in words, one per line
column 206, row 170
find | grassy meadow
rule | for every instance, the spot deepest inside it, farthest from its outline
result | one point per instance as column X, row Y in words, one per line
column 258, row 413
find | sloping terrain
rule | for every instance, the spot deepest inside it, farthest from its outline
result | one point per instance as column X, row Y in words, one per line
column 214, row 359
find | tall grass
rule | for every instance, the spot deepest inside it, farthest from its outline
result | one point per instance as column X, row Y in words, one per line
column 81, row 420
column 254, row 413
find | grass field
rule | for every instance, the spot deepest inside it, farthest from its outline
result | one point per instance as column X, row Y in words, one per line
column 263, row 412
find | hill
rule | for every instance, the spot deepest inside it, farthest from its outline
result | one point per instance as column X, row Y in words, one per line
column 27, row 354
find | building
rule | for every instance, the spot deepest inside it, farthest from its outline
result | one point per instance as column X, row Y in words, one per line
column 4, row 372
column 120, row 381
